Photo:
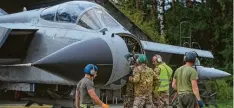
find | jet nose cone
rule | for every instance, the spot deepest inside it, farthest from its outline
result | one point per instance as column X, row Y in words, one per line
column 211, row 73
column 69, row 62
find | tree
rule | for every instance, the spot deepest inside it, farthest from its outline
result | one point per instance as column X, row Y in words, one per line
column 161, row 15
column 137, row 4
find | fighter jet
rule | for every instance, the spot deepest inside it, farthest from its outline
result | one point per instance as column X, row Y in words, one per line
column 47, row 49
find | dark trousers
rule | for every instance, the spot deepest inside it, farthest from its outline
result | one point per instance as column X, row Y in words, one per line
column 187, row 100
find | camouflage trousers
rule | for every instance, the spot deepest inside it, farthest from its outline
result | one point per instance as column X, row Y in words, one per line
column 161, row 100
column 86, row 106
column 141, row 101
column 128, row 101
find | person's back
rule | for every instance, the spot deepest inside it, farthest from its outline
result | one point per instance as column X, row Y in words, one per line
column 144, row 86
column 185, row 83
column 183, row 76
column 143, row 78
column 161, row 90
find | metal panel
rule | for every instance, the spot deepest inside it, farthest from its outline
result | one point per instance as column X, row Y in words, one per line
column 4, row 32
column 18, row 86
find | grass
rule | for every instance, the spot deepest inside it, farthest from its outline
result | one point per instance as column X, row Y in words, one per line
column 225, row 103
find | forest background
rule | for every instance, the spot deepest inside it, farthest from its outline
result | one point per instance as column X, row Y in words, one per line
column 211, row 23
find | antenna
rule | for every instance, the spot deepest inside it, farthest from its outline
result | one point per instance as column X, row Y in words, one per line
column 17, row 65
column 24, row 9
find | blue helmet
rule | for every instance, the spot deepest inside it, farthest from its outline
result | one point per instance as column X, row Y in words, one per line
column 88, row 69
column 190, row 56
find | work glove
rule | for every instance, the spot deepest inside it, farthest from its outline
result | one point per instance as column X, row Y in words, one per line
column 105, row 106
column 200, row 103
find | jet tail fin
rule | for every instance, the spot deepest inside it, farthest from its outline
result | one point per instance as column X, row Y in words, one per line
column 2, row 12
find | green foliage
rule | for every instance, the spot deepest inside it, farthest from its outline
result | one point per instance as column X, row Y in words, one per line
column 214, row 19
column 146, row 24
column 211, row 24
column 225, row 91
column 225, row 103
column 224, row 94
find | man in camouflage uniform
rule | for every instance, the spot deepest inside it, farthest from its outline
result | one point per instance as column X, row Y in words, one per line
column 161, row 92
column 144, row 79
column 129, row 97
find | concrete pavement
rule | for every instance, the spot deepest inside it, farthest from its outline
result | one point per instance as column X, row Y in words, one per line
column 7, row 104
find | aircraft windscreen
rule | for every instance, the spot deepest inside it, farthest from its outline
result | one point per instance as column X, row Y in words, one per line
column 92, row 19
column 70, row 12
column 106, row 19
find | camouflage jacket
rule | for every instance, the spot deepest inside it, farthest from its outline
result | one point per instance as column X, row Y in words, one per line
column 156, row 86
column 144, row 79
column 157, row 72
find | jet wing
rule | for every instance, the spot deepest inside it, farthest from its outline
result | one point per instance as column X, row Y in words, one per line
column 14, row 41
column 157, row 47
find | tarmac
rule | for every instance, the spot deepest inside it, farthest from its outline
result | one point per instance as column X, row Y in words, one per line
column 21, row 105
column 7, row 104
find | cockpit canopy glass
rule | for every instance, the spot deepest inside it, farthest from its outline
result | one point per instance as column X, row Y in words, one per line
column 93, row 18
column 49, row 13
column 91, row 15
column 67, row 13
column 106, row 18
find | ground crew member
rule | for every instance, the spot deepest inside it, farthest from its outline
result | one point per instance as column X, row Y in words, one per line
column 129, row 97
column 143, row 79
column 161, row 92
column 85, row 94
column 185, row 82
